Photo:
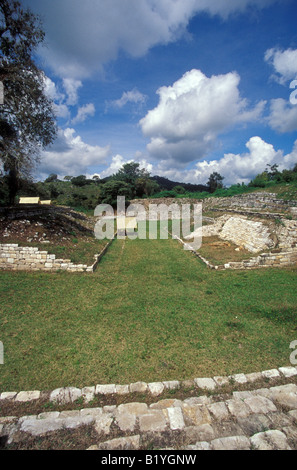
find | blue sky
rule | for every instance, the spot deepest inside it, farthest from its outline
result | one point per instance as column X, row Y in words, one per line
column 184, row 87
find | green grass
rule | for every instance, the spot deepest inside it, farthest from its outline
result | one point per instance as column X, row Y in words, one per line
column 152, row 311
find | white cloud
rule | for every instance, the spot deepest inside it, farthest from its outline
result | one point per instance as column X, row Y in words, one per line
column 235, row 168
column 71, row 86
column 133, row 96
column 118, row 161
column 83, row 36
column 283, row 116
column 242, row 167
column 51, row 90
column 70, row 155
column 283, row 62
column 83, row 113
column 192, row 113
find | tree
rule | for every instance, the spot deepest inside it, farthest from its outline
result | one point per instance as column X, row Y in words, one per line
column 129, row 173
column 80, row 180
column 215, row 182
column 27, row 121
column 272, row 172
column 52, row 177
column 114, row 188
column 260, row 180
column 136, row 177
column 179, row 189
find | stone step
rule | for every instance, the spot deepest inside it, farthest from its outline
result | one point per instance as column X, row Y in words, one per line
column 264, row 419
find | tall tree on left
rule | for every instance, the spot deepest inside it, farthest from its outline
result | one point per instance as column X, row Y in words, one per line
column 27, row 121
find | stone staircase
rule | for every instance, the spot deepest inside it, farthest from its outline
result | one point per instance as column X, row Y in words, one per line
column 258, row 412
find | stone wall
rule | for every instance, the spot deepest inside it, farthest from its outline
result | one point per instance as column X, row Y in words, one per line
column 265, row 260
column 277, row 259
column 261, row 203
column 251, row 235
column 16, row 258
column 255, row 201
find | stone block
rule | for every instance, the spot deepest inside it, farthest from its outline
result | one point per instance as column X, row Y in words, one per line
column 194, row 434
column 105, row 389
column 27, row 396
column 138, row 387
column 238, row 408
column 238, row 378
column 260, row 404
column 122, row 389
column 8, row 395
column 205, row 383
column 221, row 380
column 231, row 443
column 154, row 421
column 171, row 385
column 219, row 411
column 270, row 440
column 103, row 423
column 88, row 394
column 65, row 395
column 288, row 371
column 271, row 374
column 176, row 419
column 156, row 388
column 195, row 415
column 121, row 443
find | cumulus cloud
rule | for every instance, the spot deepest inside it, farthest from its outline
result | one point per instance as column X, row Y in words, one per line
column 51, row 90
column 283, row 116
column 118, row 161
column 72, row 86
column 192, row 113
column 133, row 96
column 241, row 167
column 83, row 36
column 235, row 168
column 284, row 63
column 70, row 155
column 83, row 113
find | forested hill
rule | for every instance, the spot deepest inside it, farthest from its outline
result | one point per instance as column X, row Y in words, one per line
column 166, row 184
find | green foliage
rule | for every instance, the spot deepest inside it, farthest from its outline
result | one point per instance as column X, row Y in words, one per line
column 52, row 177
column 27, row 122
column 215, row 182
column 260, row 181
column 114, row 188
column 80, row 180
column 179, row 189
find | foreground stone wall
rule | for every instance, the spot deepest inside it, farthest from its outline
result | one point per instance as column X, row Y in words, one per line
column 258, row 413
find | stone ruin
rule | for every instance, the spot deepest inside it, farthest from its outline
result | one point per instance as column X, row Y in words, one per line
column 259, row 222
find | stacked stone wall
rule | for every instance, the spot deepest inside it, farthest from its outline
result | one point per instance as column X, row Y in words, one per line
column 16, row 258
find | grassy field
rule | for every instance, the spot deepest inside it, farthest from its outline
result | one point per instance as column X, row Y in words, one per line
column 150, row 312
